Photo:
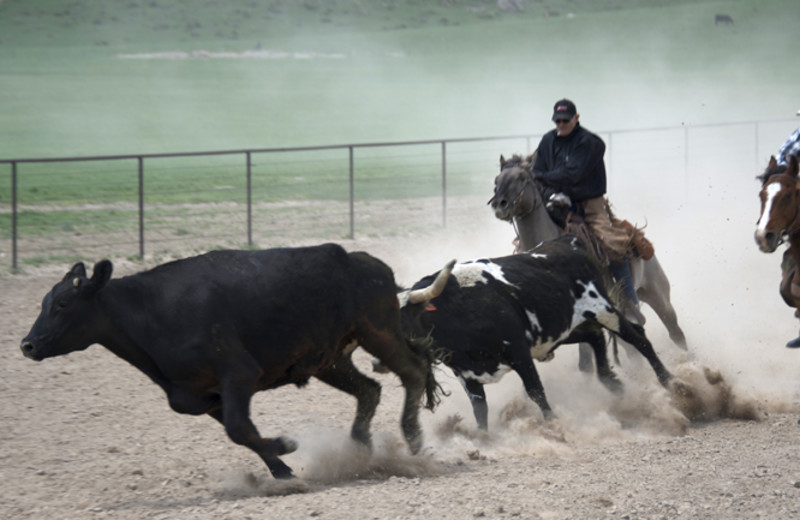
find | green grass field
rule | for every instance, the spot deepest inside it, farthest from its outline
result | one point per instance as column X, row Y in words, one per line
column 381, row 71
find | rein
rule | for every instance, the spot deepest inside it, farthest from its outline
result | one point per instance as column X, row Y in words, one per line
column 528, row 182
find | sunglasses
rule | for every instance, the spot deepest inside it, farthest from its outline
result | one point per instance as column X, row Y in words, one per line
column 563, row 120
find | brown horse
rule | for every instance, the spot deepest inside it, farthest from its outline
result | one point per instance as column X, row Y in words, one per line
column 779, row 221
column 518, row 199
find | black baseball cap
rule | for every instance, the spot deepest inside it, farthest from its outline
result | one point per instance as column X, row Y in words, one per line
column 564, row 110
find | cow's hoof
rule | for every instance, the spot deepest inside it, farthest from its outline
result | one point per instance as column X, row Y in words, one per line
column 613, row 385
column 289, row 445
column 795, row 343
column 284, row 475
column 415, row 444
column 362, row 438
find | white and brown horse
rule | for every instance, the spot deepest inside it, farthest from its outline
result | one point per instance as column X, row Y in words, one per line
column 780, row 222
column 518, row 199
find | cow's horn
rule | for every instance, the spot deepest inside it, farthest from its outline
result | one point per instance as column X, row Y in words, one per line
column 433, row 290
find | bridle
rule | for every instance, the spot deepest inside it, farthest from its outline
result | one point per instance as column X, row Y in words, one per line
column 528, row 181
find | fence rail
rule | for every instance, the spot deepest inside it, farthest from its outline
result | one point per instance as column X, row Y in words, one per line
column 449, row 170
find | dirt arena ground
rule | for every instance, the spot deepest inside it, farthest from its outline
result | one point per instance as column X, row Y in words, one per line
column 87, row 436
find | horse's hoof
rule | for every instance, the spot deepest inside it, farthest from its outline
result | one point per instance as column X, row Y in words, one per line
column 795, row 343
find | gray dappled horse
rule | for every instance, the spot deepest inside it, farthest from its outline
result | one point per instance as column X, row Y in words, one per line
column 517, row 199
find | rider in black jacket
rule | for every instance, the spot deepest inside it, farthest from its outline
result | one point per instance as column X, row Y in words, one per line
column 572, row 163
column 569, row 160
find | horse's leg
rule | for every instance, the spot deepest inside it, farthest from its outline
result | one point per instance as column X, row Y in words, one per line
column 794, row 291
column 652, row 287
column 585, row 363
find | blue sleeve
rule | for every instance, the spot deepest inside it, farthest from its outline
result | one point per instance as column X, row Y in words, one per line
column 791, row 146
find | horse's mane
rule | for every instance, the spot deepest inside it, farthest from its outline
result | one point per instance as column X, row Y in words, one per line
column 770, row 171
column 518, row 160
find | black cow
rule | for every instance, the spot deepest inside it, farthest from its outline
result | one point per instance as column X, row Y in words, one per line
column 212, row 330
column 492, row 316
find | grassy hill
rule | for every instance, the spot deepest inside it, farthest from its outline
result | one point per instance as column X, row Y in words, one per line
column 118, row 76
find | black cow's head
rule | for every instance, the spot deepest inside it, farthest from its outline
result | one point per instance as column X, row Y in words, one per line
column 65, row 320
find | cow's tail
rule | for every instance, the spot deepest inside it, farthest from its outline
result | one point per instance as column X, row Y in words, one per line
column 424, row 348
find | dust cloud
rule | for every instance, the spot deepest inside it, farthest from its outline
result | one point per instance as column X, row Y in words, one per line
column 724, row 291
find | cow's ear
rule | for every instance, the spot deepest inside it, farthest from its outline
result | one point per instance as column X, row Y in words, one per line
column 772, row 162
column 78, row 271
column 101, row 275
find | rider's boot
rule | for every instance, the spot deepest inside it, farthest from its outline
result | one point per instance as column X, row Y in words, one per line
column 795, row 343
column 630, row 309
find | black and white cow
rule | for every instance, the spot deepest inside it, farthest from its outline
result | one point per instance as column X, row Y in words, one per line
column 494, row 315
column 212, row 330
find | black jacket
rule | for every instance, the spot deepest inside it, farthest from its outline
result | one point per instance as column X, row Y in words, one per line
column 572, row 164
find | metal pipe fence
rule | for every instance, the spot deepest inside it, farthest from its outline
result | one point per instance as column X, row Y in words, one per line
column 50, row 205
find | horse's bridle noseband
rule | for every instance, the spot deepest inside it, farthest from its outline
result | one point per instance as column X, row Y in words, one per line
column 529, row 180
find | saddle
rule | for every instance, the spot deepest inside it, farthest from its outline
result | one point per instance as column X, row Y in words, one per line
column 642, row 247
column 558, row 207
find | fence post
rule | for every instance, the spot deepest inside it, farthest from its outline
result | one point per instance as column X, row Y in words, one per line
column 14, row 264
column 352, row 197
column 249, row 202
column 757, row 161
column 444, row 184
column 686, row 162
column 610, row 162
column 141, row 206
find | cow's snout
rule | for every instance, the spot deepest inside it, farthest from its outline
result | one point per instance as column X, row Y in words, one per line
column 28, row 350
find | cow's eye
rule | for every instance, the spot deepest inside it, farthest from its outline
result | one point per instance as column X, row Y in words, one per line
column 61, row 304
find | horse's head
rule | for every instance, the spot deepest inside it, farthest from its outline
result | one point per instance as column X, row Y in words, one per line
column 779, row 204
column 512, row 196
